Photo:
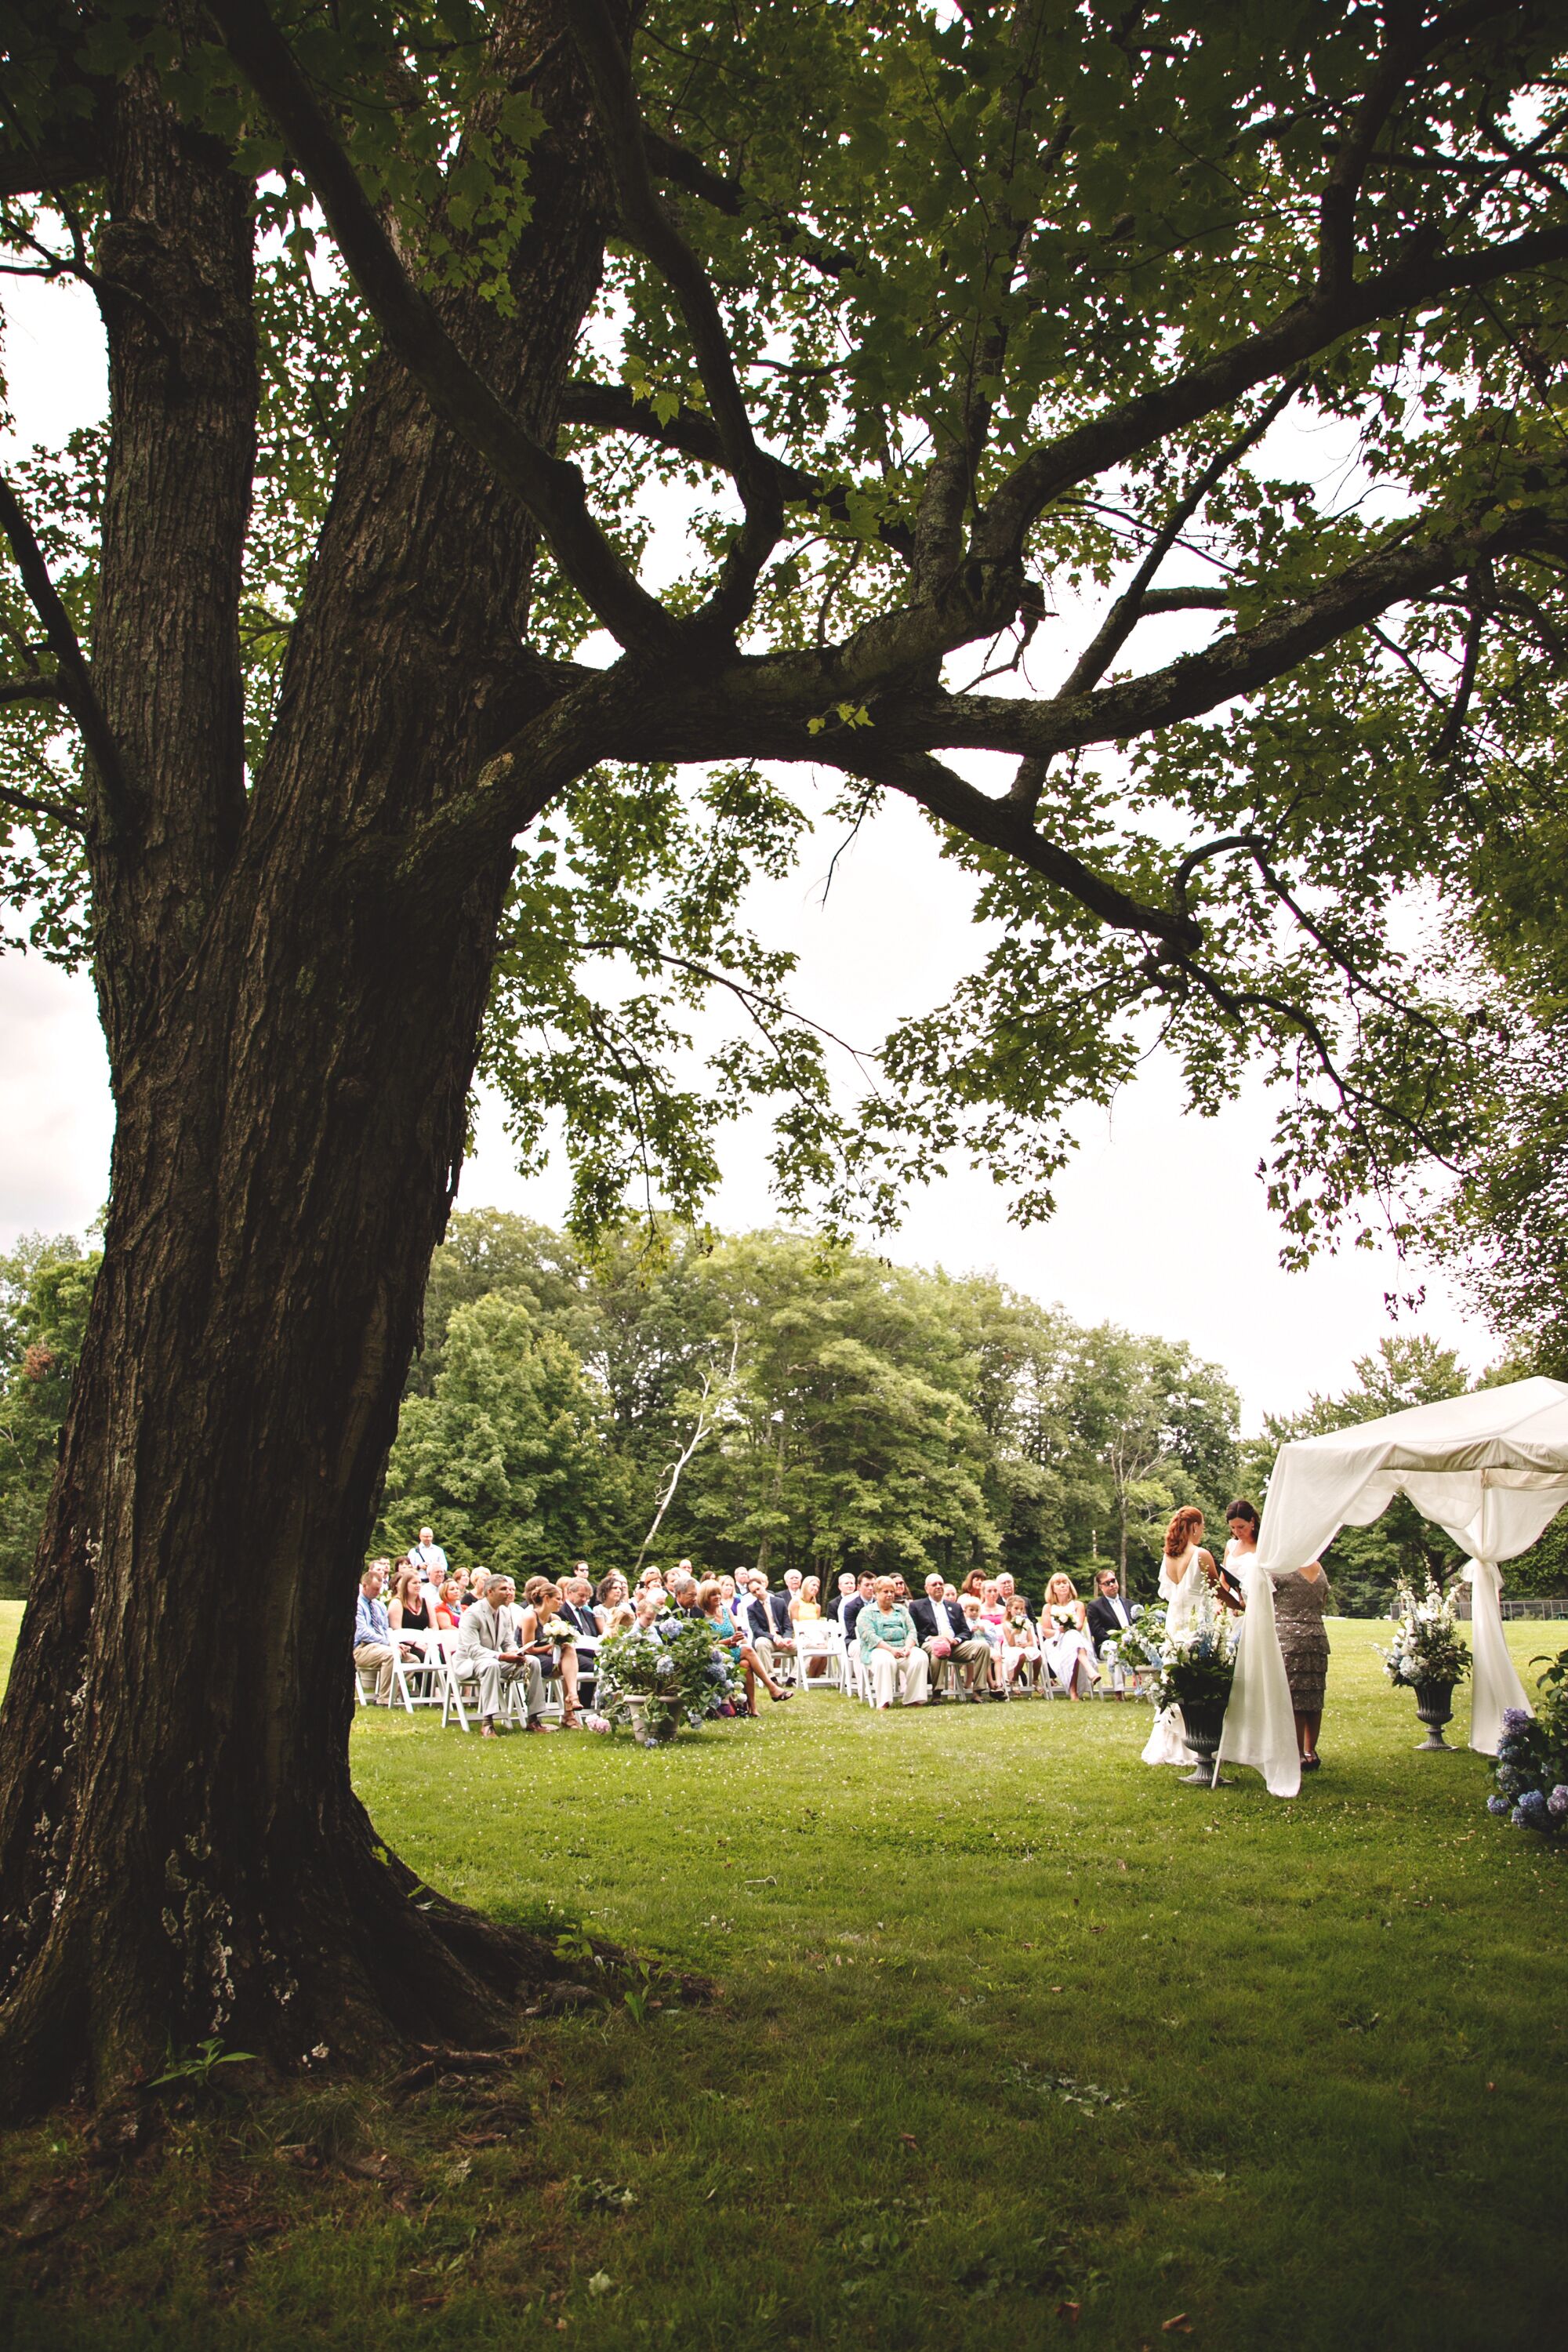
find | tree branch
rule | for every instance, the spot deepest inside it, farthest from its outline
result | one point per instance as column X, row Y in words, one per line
column 73, row 679
column 688, row 171
column 655, row 234
column 1298, row 334
column 1131, row 606
column 999, row 824
column 551, row 491
column 692, row 433
column 66, row 812
column 1238, row 664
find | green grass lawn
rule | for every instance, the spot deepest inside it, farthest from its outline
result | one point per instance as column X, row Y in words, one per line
column 1009, row 2024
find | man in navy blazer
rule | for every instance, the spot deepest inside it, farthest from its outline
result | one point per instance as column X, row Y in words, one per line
column 864, row 1591
column 937, row 1620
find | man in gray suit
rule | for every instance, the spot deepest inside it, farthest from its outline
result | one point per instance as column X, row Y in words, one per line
column 488, row 1648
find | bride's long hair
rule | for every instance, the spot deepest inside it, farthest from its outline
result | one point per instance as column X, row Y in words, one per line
column 1183, row 1531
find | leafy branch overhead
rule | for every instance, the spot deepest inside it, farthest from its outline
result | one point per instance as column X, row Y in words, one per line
column 1138, row 447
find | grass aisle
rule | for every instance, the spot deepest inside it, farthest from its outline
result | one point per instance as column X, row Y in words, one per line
column 1010, row 2025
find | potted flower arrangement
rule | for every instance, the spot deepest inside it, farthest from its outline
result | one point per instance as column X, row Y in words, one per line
column 1531, row 1768
column 1191, row 1670
column 655, row 1680
column 1197, row 1669
column 1427, row 1655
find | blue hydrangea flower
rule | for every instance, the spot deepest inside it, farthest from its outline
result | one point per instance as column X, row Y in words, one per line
column 1515, row 1718
column 1497, row 1805
column 1517, row 1817
column 1509, row 1781
column 1532, row 1805
column 1557, row 1802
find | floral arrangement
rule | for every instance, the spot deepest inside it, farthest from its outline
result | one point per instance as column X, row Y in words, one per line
column 1199, row 1665
column 1190, row 1669
column 683, row 1671
column 1138, row 1648
column 1531, row 1768
column 1427, row 1646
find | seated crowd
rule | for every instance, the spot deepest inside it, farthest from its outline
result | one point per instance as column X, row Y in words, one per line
column 975, row 1641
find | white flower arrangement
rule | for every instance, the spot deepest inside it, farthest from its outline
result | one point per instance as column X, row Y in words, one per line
column 1427, row 1646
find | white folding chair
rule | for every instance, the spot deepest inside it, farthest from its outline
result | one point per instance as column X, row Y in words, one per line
column 815, row 1639
column 419, row 1681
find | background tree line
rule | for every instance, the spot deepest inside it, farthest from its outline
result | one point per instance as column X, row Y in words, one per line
column 826, row 1407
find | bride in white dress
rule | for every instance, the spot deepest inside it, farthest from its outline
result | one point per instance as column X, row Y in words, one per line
column 1184, row 1571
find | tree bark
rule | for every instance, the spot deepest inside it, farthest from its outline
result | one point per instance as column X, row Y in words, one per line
column 291, row 1044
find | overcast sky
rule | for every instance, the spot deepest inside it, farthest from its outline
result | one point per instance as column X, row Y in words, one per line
column 1162, row 1224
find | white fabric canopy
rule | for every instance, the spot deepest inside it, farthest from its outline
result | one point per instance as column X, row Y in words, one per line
column 1491, row 1469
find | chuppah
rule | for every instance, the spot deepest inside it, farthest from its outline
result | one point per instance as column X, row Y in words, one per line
column 1490, row 1469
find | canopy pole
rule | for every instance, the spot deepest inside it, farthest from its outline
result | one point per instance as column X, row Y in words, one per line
column 1496, row 1685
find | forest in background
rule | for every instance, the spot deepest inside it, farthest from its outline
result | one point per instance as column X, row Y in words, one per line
column 775, row 1398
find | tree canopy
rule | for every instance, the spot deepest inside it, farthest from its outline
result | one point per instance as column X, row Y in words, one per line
column 1190, row 384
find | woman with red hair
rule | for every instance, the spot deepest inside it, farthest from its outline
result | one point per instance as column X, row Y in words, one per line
column 1185, row 1571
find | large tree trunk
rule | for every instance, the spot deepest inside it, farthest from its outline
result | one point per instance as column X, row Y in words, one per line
column 291, row 1044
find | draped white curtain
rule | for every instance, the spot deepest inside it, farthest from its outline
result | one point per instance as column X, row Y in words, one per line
column 1491, row 1469
column 1259, row 1722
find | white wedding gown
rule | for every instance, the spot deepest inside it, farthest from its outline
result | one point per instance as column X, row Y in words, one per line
column 1166, row 1742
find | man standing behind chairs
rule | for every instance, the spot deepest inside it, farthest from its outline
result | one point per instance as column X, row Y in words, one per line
column 489, row 1648
column 1108, row 1618
column 430, row 1560
column 936, row 1621
column 889, row 1653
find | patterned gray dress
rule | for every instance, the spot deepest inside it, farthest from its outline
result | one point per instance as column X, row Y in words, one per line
column 1301, row 1603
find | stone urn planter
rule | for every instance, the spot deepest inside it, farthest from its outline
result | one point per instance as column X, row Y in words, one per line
column 1434, row 1706
column 1203, row 1722
column 654, row 1721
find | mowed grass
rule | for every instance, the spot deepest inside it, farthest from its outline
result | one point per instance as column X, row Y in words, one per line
column 1018, row 2044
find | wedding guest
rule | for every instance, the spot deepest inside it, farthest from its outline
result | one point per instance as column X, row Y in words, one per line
column 489, row 1647
column 898, row 1666
column 428, row 1556
column 545, row 1635
column 578, row 1608
column 729, row 1637
column 1064, row 1631
column 973, row 1583
column 410, row 1609
column 607, row 1598
column 373, row 1633
column 806, row 1609
column 1301, row 1600
column 844, row 1595
column 1020, row 1650
column 1108, row 1619
column 949, row 1641
column 777, row 1605
column 865, row 1589
column 992, row 1612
